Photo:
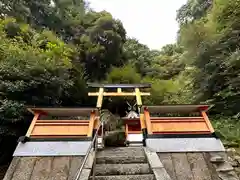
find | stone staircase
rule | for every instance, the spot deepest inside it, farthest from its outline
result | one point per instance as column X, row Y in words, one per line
column 122, row 163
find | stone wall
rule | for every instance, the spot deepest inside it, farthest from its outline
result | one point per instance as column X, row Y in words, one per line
column 43, row 168
column 198, row 166
column 234, row 159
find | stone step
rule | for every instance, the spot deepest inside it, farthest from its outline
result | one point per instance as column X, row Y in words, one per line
column 121, row 159
column 121, row 151
column 138, row 144
column 122, row 169
column 127, row 177
column 135, row 144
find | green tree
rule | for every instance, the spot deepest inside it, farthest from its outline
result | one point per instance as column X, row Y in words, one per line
column 125, row 75
column 101, row 45
column 139, row 55
column 193, row 10
column 37, row 72
column 211, row 45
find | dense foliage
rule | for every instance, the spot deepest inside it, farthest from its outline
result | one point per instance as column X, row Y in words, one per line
column 49, row 49
column 209, row 38
column 211, row 46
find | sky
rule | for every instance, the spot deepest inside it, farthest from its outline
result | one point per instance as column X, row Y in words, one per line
column 152, row 22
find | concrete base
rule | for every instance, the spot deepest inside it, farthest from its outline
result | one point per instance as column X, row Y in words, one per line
column 135, row 138
column 185, row 145
column 61, row 148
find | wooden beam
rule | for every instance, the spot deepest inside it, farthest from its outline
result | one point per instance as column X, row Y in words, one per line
column 118, row 94
column 126, row 130
column 62, row 124
column 30, row 129
column 61, row 121
column 148, row 122
column 175, row 121
column 207, row 121
column 181, row 132
column 84, row 111
column 60, row 130
column 142, row 122
column 138, row 96
column 91, row 124
column 178, row 118
column 177, row 108
column 96, row 123
column 57, row 136
column 134, row 132
column 119, row 90
column 100, row 98
column 95, row 85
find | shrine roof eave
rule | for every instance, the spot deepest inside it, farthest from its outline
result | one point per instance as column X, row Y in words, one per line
column 61, row 111
column 178, row 108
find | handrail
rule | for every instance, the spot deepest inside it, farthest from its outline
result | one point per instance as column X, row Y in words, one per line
column 93, row 143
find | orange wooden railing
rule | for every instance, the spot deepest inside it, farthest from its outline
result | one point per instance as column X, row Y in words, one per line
column 62, row 128
column 178, row 125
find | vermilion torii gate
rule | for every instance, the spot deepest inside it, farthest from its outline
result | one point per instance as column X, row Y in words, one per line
column 132, row 126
